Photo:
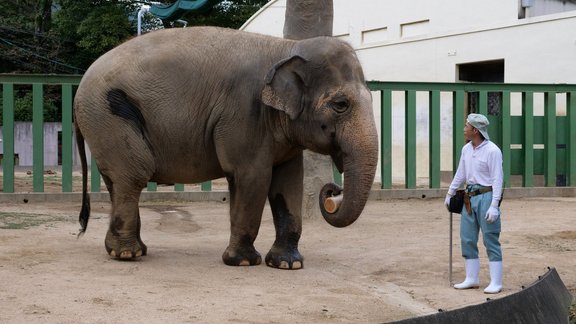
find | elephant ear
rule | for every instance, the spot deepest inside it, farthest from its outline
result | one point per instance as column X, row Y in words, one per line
column 284, row 86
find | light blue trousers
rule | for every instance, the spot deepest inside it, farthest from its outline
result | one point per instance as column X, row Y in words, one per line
column 471, row 224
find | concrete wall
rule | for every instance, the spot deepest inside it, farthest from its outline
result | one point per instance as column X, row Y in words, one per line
column 23, row 144
column 425, row 41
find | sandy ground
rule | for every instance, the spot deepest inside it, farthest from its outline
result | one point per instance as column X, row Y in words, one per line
column 390, row 265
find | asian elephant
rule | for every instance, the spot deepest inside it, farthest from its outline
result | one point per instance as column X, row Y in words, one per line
column 195, row 104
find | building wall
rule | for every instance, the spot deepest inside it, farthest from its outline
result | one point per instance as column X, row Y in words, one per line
column 425, row 41
column 23, row 144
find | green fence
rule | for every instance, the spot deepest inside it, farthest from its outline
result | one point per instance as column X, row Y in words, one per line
column 532, row 144
column 37, row 82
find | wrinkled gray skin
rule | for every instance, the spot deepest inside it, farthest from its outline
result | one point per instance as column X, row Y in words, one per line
column 195, row 104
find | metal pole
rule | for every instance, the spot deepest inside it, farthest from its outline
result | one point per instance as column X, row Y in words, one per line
column 144, row 9
column 450, row 256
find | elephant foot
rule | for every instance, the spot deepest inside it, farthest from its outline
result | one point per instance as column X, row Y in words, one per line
column 284, row 258
column 123, row 247
column 247, row 256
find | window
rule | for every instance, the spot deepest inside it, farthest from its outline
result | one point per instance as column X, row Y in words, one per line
column 375, row 35
column 416, row 28
column 487, row 71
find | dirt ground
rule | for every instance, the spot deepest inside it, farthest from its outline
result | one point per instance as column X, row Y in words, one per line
column 389, row 265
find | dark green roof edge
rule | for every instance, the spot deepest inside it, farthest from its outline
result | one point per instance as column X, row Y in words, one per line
column 180, row 7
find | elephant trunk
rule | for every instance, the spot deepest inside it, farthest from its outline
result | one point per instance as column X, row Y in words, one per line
column 359, row 167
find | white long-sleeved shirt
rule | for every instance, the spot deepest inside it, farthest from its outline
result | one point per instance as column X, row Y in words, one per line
column 480, row 165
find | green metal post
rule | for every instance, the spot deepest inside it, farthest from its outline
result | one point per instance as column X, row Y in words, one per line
column 67, row 138
column 434, row 137
column 550, row 139
column 386, row 139
column 336, row 175
column 506, row 129
column 410, row 139
column 528, row 143
column 152, row 186
column 571, row 153
column 8, row 137
column 179, row 187
column 207, row 185
column 38, row 137
column 483, row 102
column 94, row 176
column 458, row 118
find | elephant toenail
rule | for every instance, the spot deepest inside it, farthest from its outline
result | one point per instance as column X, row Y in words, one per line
column 113, row 253
column 244, row 263
column 284, row 265
column 139, row 253
column 297, row 265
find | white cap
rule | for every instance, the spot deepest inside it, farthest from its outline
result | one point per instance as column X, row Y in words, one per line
column 480, row 122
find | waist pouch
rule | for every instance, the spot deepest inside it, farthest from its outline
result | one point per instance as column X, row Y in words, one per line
column 457, row 202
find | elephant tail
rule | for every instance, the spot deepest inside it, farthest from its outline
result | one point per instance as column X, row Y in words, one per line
column 85, row 211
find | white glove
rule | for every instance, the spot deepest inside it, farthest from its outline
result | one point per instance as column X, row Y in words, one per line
column 447, row 201
column 492, row 214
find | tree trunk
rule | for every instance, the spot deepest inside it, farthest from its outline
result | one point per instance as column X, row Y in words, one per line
column 43, row 16
column 307, row 19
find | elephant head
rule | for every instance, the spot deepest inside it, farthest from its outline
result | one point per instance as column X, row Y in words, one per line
column 322, row 90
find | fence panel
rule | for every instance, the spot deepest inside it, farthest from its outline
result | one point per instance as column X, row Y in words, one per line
column 8, row 137
column 531, row 145
column 67, row 132
column 571, row 133
column 434, row 131
column 38, row 137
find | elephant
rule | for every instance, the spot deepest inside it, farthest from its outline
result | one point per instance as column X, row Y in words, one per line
column 195, row 104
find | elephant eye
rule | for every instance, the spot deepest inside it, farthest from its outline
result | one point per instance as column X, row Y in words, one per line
column 340, row 104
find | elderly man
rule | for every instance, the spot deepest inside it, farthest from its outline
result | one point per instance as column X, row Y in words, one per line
column 480, row 167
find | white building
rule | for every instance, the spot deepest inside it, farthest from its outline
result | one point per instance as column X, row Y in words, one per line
column 511, row 41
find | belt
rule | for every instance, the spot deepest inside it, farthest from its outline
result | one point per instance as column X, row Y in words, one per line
column 471, row 193
column 478, row 191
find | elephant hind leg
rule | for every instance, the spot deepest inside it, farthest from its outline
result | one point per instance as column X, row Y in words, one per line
column 126, row 164
column 123, row 238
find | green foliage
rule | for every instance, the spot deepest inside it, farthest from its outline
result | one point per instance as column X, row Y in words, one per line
column 88, row 29
column 94, row 38
column 26, row 41
column 23, row 108
column 22, row 13
column 66, row 36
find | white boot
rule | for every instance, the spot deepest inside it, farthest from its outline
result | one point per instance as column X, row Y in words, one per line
column 495, row 278
column 472, row 270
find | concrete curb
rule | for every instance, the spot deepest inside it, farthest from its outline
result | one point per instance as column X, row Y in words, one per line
column 223, row 196
column 76, row 197
column 384, row 194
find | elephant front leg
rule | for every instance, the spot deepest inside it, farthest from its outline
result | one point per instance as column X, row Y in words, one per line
column 123, row 238
column 247, row 200
column 285, row 199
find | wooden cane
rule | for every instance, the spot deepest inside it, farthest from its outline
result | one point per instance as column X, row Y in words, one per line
column 331, row 204
column 450, row 256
